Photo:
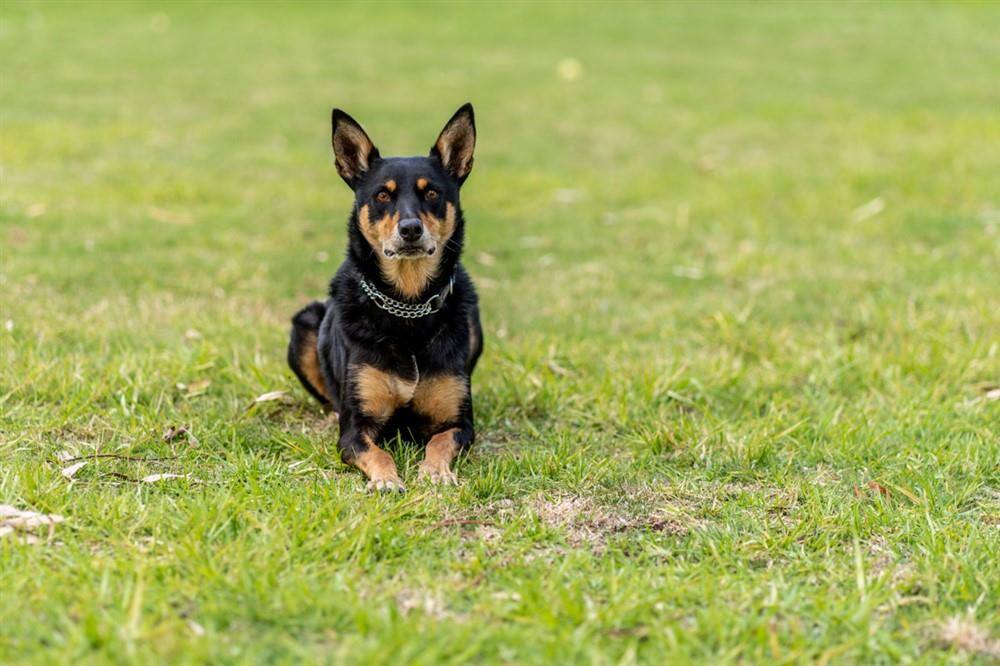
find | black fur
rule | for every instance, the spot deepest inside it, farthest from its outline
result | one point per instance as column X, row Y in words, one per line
column 352, row 331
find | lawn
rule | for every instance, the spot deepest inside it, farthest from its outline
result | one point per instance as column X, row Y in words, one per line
column 738, row 271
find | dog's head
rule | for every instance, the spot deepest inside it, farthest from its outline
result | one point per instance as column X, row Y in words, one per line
column 406, row 208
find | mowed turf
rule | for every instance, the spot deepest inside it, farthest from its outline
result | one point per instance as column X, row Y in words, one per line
column 738, row 271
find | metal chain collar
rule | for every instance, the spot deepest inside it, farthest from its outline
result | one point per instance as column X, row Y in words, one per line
column 406, row 310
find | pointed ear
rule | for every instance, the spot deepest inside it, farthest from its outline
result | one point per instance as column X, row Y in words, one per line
column 353, row 151
column 457, row 142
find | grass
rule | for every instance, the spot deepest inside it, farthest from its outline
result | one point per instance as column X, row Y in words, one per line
column 739, row 288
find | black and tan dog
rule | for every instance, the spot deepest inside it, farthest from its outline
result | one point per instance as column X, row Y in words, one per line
column 393, row 347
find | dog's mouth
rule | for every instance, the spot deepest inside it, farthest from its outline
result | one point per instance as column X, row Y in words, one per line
column 410, row 251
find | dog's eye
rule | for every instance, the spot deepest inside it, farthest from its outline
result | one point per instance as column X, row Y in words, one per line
column 431, row 195
column 383, row 197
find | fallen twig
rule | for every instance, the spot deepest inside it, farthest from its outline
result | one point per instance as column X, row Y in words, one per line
column 119, row 456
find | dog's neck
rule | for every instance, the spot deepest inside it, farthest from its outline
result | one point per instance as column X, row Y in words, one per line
column 410, row 278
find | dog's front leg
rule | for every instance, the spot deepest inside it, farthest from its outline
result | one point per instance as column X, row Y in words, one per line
column 446, row 402
column 441, row 450
column 358, row 448
column 372, row 398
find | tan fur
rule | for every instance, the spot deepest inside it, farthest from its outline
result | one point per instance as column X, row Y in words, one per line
column 379, row 231
column 438, row 456
column 421, row 183
column 456, row 145
column 390, row 185
column 377, row 464
column 440, row 398
column 350, row 140
column 381, row 393
column 309, row 364
column 408, row 276
column 440, row 230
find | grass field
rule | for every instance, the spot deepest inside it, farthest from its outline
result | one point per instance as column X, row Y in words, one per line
column 738, row 269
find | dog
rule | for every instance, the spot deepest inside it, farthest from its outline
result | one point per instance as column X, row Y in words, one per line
column 393, row 347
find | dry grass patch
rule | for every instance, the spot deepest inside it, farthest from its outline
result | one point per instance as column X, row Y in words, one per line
column 964, row 634
column 409, row 600
column 588, row 523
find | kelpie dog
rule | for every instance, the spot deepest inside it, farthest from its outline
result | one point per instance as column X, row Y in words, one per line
column 393, row 347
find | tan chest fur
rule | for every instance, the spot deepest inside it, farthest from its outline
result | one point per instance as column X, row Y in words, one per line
column 381, row 393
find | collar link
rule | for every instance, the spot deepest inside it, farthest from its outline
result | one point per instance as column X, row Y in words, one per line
column 407, row 310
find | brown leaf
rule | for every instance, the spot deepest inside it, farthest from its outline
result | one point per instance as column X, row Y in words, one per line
column 877, row 487
column 175, row 432
column 874, row 487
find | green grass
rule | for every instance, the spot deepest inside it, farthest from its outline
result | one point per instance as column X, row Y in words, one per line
column 706, row 357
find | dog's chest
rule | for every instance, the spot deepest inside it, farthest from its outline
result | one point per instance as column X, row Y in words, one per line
column 403, row 390
column 381, row 393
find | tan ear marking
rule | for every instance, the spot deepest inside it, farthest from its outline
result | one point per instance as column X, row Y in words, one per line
column 353, row 150
column 457, row 143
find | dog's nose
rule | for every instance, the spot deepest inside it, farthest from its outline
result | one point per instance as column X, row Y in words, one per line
column 411, row 229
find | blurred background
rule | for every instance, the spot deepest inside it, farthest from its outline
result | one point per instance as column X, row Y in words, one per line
column 639, row 165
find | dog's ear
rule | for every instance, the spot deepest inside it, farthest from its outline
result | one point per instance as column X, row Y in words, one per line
column 353, row 151
column 457, row 142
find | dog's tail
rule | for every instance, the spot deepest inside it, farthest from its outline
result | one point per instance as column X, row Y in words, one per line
column 303, row 353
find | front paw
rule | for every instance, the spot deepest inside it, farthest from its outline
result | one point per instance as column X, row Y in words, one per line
column 385, row 485
column 436, row 473
column 380, row 469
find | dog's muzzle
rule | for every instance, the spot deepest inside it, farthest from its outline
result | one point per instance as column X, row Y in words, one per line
column 409, row 241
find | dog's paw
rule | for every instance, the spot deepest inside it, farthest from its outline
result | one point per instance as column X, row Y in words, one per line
column 436, row 474
column 381, row 471
column 387, row 485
